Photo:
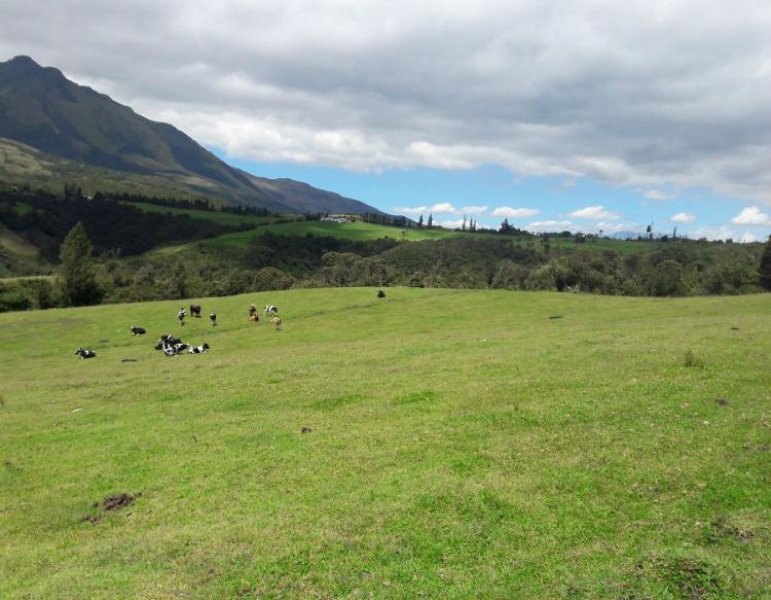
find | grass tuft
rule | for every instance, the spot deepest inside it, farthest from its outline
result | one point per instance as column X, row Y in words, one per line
column 691, row 360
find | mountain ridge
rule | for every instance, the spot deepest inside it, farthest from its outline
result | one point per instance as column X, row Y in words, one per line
column 44, row 110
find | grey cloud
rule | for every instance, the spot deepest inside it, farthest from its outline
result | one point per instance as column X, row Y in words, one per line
column 637, row 93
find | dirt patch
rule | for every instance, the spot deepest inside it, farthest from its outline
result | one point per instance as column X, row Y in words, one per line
column 724, row 529
column 721, row 401
column 117, row 501
column 93, row 519
column 681, row 577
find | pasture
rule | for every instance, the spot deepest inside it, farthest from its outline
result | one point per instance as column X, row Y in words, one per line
column 433, row 443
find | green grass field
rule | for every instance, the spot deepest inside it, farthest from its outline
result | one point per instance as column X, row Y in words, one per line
column 352, row 231
column 463, row 444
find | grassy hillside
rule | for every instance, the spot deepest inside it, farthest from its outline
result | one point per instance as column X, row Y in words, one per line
column 351, row 231
column 21, row 164
column 360, row 230
column 463, row 445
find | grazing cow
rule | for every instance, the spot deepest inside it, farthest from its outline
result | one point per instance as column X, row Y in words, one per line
column 276, row 323
column 381, row 294
column 181, row 316
column 85, row 353
column 213, row 319
column 137, row 330
column 195, row 310
column 252, row 310
column 198, row 349
column 271, row 310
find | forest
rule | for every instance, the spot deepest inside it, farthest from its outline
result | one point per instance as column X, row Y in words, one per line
column 123, row 241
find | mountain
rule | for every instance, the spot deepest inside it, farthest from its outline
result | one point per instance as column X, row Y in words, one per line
column 44, row 111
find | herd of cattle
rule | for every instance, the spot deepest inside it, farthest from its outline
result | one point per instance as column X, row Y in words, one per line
column 174, row 346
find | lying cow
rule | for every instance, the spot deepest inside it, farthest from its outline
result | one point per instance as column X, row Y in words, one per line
column 198, row 349
column 137, row 330
column 175, row 349
column 271, row 310
column 165, row 341
column 85, row 353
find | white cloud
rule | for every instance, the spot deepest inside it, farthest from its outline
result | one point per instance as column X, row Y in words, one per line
column 474, row 210
column 550, row 225
column 748, row 237
column 451, row 223
column 614, row 227
column 443, row 207
column 752, row 216
column 418, row 210
column 683, row 217
column 594, row 212
column 654, row 194
column 714, row 233
column 517, row 213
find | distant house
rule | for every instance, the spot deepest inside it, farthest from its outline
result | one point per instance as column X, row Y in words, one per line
column 335, row 219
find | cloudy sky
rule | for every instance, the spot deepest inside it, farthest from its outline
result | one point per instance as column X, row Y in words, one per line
column 554, row 114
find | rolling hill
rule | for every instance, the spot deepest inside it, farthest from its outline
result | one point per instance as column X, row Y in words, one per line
column 452, row 453
column 75, row 132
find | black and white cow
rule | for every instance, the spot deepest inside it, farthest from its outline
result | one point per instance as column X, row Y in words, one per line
column 198, row 349
column 213, row 319
column 137, row 330
column 175, row 349
column 166, row 341
column 181, row 316
column 270, row 309
column 195, row 310
column 85, row 353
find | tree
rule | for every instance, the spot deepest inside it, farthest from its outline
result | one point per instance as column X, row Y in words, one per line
column 765, row 267
column 430, row 223
column 80, row 287
column 420, row 222
column 505, row 226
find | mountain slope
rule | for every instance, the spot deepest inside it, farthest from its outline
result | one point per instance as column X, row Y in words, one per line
column 43, row 109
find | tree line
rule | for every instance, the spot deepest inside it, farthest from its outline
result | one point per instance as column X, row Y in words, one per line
column 99, row 263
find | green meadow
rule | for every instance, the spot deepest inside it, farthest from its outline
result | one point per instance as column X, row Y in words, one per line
column 431, row 444
column 353, row 231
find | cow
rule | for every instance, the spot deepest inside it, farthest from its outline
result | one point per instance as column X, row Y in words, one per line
column 271, row 310
column 213, row 319
column 85, row 353
column 137, row 330
column 198, row 349
column 276, row 323
column 255, row 318
column 175, row 349
column 195, row 310
column 181, row 316
column 166, row 341
column 252, row 310
column 381, row 294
